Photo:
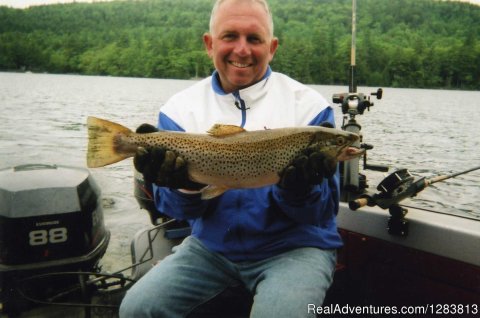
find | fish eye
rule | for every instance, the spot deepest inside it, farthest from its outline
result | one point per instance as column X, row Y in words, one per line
column 340, row 141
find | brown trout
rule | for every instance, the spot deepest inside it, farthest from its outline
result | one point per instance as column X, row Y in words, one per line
column 227, row 157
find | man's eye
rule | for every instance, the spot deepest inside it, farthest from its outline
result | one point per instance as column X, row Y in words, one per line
column 229, row 37
column 254, row 39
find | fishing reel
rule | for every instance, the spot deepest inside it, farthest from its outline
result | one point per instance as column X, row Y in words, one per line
column 355, row 103
column 392, row 190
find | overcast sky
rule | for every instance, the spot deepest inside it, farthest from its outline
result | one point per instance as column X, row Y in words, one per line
column 26, row 3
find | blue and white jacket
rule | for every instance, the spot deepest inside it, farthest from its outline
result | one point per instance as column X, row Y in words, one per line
column 252, row 224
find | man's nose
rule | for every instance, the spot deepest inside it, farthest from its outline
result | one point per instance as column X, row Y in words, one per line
column 242, row 47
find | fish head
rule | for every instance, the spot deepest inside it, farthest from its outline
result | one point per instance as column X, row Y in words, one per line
column 331, row 141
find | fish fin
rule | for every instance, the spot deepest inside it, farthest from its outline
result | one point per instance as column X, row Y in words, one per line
column 102, row 142
column 220, row 130
column 212, row 191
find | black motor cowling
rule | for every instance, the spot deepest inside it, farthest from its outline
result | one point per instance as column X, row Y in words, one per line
column 51, row 220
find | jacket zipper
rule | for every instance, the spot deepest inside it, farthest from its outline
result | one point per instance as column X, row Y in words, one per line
column 240, row 104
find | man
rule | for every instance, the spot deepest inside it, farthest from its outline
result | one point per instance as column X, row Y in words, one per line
column 278, row 241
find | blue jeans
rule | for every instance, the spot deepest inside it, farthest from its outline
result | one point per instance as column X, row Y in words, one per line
column 282, row 285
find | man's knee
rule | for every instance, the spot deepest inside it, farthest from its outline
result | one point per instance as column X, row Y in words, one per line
column 139, row 303
column 128, row 307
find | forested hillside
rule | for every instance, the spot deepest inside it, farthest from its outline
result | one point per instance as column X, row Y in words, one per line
column 400, row 43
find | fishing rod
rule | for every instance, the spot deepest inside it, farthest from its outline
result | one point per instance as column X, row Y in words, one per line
column 453, row 175
column 399, row 186
column 353, row 104
column 352, row 88
column 395, row 188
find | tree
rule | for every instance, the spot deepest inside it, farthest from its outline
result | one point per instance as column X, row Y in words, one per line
column 426, row 43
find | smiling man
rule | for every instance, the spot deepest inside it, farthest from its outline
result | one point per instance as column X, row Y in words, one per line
column 277, row 241
column 240, row 43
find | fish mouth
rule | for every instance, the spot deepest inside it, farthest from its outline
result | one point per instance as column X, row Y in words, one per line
column 340, row 149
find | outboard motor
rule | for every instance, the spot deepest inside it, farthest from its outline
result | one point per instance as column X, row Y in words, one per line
column 51, row 221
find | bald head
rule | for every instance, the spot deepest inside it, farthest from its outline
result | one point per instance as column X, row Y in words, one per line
column 263, row 3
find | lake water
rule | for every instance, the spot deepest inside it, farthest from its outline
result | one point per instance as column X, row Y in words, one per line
column 43, row 120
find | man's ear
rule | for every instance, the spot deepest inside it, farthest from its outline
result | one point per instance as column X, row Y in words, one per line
column 207, row 41
column 273, row 47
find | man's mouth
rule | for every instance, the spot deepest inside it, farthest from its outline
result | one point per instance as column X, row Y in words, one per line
column 239, row 65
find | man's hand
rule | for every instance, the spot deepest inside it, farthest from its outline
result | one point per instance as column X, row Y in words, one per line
column 162, row 166
column 306, row 170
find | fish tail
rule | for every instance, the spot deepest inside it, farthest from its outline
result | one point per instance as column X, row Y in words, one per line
column 104, row 146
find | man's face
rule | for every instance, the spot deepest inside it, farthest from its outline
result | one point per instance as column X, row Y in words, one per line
column 240, row 44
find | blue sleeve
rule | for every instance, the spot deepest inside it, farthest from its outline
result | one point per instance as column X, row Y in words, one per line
column 325, row 115
column 321, row 203
column 165, row 123
column 316, row 207
column 178, row 205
